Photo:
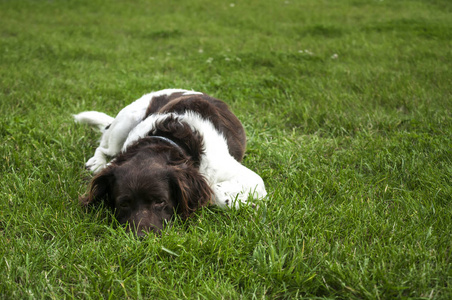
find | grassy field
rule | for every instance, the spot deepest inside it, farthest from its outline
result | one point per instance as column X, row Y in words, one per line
column 348, row 110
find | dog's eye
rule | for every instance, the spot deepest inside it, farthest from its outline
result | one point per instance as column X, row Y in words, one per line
column 124, row 203
column 159, row 202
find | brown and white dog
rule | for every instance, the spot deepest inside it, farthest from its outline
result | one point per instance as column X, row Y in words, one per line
column 172, row 151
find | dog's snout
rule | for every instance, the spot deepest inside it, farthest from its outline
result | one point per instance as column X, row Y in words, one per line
column 142, row 230
column 144, row 222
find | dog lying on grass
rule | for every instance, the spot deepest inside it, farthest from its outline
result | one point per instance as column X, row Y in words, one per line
column 173, row 151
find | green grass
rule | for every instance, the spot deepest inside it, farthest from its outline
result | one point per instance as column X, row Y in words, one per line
column 355, row 148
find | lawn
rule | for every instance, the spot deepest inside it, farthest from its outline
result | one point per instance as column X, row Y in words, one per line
column 347, row 106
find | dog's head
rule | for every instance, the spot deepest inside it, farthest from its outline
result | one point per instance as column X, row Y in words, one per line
column 147, row 186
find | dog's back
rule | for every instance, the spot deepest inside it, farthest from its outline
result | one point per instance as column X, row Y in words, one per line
column 209, row 108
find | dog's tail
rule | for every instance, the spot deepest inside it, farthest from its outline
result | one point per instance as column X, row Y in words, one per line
column 94, row 118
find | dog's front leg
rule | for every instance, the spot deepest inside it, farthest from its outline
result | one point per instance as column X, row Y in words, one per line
column 112, row 140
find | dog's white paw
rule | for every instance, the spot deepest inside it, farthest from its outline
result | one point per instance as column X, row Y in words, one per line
column 230, row 194
column 95, row 164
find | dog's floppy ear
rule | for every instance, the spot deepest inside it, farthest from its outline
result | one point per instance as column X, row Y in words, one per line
column 190, row 189
column 100, row 189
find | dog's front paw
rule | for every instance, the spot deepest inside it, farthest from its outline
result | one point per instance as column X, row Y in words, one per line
column 230, row 194
column 95, row 164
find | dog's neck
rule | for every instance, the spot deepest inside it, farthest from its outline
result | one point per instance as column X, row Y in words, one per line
column 176, row 145
column 168, row 141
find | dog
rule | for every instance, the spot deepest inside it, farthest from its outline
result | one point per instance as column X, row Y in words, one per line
column 170, row 152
